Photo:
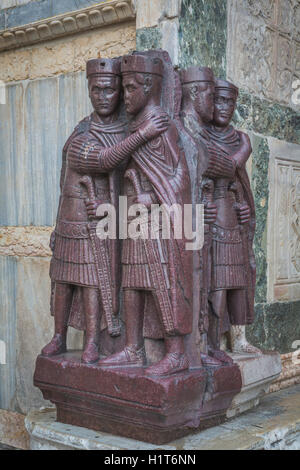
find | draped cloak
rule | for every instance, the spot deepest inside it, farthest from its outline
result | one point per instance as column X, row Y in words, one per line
column 163, row 163
column 107, row 135
column 227, row 143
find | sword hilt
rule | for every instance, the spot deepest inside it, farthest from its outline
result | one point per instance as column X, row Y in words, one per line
column 133, row 176
column 88, row 183
column 236, row 188
column 207, row 190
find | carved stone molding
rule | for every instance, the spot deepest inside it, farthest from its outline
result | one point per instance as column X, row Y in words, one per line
column 263, row 48
column 73, row 22
column 290, row 374
column 284, row 222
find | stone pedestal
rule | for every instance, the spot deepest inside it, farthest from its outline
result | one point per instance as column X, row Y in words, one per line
column 274, row 425
column 126, row 402
column 258, row 372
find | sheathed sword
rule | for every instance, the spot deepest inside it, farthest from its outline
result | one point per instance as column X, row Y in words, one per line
column 207, row 188
column 155, row 265
column 103, row 266
column 236, row 188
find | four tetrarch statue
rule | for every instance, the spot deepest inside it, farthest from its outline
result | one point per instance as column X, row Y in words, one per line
column 154, row 310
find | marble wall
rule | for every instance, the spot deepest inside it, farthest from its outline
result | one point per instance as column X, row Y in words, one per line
column 46, row 96
column 255, row 44
column 264, row 47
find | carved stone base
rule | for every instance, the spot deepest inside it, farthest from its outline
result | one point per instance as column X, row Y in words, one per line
column 126, row 402
column 258, row 372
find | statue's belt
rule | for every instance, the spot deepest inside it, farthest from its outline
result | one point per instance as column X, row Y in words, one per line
column 221, row 192
column 78, row 192
column 226, row 235
column 72, row 229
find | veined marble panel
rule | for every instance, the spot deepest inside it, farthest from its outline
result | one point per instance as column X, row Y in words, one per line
column 284, row 222
column 263, row 47
column 25, row 326
column 34, row 125
column 8, row 286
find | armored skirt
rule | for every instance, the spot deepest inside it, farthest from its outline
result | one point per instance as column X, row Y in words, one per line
column 228, row 262
column 73, row 260
column 136, row 271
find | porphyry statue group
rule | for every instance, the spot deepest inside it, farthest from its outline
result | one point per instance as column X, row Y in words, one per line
column 156, row 136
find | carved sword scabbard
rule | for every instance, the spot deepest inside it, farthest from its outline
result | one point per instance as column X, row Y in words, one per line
column 207, row 188
column 103, row 266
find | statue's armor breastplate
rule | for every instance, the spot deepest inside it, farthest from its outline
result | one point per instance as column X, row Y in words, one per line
column 73, row 259
column 224, row 199
column 227, row 251
column 72, row 205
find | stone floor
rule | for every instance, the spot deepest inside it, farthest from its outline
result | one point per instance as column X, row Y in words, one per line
column 4, row 447
column 273, row 425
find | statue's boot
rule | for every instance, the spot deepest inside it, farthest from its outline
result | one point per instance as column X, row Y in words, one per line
column 239, row 342
column 209, row 360
column 172, row 363
column 245, row 348
column 221, row 356
column 56, row 346
column 90, row 353
column 129, row 356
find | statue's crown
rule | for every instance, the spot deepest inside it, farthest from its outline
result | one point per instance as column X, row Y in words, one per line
column 197, row 74
column 103, row 67
column 225, row 85
column 139, row 63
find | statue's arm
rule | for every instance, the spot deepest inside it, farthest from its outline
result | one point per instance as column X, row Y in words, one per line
column 88, row 156
column 241, row 156
column 219, row 165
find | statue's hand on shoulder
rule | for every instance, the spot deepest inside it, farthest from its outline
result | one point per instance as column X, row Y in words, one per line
column 155, row 126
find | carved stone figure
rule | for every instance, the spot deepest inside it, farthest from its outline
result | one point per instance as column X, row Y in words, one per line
column 233, row 258
column 158, row 386
column 84, row 269
column 228, row 266
column 155, row 272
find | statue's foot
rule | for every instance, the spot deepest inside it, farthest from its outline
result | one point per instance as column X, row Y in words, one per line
column 129, row 356
column 209, row 360
column 245, row 348
column 56, row 346
column 90, row 353
column 221, row 356
column 172, row 363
